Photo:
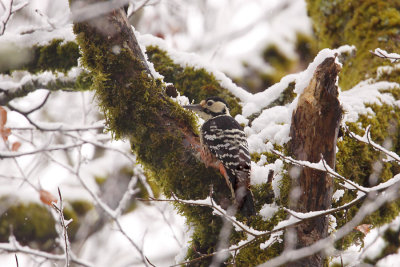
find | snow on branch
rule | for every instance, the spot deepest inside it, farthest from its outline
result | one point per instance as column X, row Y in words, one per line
column 14, row 247
column 320, row 166
column 371, row 205
column 112, row 214
column 393, row 57
column 9, row 89
column 293, row 220
column 367, row 140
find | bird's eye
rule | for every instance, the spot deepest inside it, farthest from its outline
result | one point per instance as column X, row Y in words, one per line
column 209, row 103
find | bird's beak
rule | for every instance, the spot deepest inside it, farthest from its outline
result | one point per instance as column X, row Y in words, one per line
column 195, row 107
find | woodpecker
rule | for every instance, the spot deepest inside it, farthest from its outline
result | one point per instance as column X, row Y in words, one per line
column 224, row 146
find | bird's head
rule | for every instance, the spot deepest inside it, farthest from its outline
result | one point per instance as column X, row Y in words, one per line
column 210, row 108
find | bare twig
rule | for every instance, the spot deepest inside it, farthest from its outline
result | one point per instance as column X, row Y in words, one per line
column 59, row 128
column 367, row 140
column 64, row 226
column 138, row 8
column 113, row 214
column 329, row 170
column 14, row 247
column 8, row 11
column 4, row 155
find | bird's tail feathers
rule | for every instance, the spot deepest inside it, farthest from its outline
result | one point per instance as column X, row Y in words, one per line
column 245, row 201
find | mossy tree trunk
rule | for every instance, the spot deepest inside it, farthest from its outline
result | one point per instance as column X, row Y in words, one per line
column 162, row 134
column 313, row 132
column 367, row 25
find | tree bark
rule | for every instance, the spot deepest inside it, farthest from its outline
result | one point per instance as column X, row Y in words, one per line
column 162, row 134
column 314, row 130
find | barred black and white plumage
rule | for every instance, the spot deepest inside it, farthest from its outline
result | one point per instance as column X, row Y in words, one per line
column 225, row 146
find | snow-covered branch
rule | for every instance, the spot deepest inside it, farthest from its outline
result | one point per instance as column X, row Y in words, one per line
column 320, row 166
column 10, row 89
column 367, row 140
column 393, row 57
column 371, row 205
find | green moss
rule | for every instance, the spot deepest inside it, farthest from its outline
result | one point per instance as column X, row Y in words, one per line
column 58, row 55
column 254, row 255
column 263, row 194
column 70, row 214
column 100, row 180
column 81, row 207
column 196, row 84
column 275, row 57
column 306, row 48
column 83, row 82
column 286, row 97
column 366, row 24
column 136, row 108
column 355, row 161
column 30, row 223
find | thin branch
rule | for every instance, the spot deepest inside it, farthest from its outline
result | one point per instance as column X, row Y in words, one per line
column 367, row 140
column 138, row 8
column 330, row 171
column 98, row 202
column 31, row 83
column 367, row 208
column 4, row 154
column 60, row 210
column 14, row 247
column 321, row 166
column 59, row 128
column 393, row 57
column 39, row 106
column 129, row 156
column 8, row 12
column 123, row 203
column 300, row 217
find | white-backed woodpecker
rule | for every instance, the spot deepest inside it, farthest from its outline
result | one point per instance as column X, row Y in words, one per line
column 224, row 146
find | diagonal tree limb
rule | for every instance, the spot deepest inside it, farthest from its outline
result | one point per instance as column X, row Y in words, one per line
column 162, row 134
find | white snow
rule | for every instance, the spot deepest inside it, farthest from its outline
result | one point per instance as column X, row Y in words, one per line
column 355, row 101
column 268, row 210
column 221, row 50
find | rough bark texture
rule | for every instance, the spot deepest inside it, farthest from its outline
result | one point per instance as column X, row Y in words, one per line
column 162, row 134
column 314, row 130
